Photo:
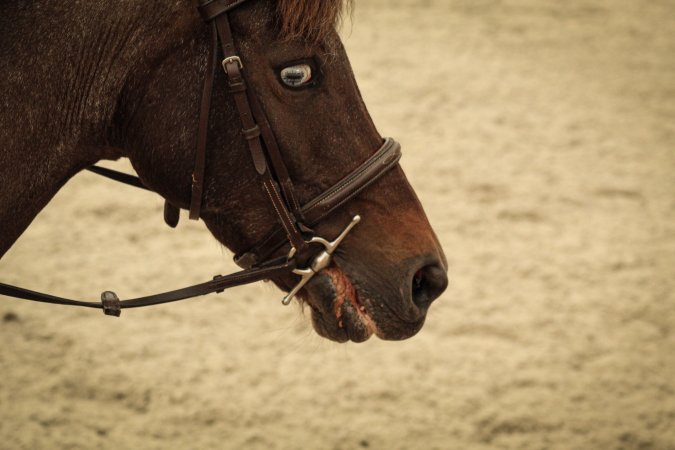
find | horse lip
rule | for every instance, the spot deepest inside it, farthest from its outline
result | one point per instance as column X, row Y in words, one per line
column 352, row 321
column 341, row 311
column 337, row 308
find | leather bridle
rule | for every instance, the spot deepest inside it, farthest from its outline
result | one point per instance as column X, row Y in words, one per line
column 308, row 254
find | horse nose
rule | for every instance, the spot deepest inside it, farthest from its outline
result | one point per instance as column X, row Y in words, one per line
column 428, row 284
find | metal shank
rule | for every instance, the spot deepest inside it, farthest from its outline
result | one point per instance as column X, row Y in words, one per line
column 320, row 261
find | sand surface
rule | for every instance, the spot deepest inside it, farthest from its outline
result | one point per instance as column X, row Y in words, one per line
column 540, row 136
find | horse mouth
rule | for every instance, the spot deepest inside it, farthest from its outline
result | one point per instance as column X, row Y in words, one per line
column 338, row 312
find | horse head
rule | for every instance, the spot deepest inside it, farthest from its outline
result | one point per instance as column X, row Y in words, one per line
column 391, row 267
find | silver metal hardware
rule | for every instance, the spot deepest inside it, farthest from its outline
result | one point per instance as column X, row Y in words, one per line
column 320, row 261
column 232, row 59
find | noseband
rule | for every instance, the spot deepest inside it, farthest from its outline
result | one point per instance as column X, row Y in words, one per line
column 307, row 254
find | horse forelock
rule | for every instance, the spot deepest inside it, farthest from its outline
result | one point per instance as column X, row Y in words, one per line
column 310, row 19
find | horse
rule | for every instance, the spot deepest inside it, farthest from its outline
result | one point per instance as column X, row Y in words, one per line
column 98, row 80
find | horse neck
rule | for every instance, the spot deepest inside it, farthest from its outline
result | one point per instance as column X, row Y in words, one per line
column 64, row 71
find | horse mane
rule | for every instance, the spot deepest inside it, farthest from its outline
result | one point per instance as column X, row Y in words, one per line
column 310, row 19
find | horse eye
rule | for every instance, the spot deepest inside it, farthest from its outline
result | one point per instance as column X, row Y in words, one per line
column 296, row 76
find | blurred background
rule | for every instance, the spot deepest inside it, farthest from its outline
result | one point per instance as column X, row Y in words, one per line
column 540, row 137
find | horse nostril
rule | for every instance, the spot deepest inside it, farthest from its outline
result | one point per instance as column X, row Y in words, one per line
column 428, row 284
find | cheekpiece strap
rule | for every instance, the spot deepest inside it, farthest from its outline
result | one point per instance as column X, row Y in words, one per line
column 211, row 9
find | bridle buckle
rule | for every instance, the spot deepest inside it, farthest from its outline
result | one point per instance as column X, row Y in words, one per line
column 232, row 59
column 320, row 261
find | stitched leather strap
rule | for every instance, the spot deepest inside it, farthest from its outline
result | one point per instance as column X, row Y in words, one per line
column 112, row 305
column 372, row 169
column 202, row 130
column 118, row 176
column 275, row 157
column 211, row 9
column 386, row 158
column 233, row 67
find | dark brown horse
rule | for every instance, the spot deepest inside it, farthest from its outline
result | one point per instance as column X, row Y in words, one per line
column 92, row 80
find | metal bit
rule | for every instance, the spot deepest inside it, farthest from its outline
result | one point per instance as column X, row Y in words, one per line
column 320, row 261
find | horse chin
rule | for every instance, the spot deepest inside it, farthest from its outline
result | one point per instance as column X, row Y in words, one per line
column 341, row 313
column 338, row 312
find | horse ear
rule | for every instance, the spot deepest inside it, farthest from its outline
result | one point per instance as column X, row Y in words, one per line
column 171, row 214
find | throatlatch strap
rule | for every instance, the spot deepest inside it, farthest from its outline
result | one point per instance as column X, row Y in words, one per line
column 118, row 176
column 202, row 131
column 171, row 212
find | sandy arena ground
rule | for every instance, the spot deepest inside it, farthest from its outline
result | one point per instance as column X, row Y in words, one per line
column 540, row 137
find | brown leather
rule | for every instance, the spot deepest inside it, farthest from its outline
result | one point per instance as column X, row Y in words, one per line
column 111, row 304
column 171, row 214
column 276, row 159
column 118, row 176
column 238, row 88
column 351, row 185
column 328, row 201
column 202, row 130
column 211, row 9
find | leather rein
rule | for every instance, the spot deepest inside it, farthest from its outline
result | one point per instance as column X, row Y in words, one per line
column 308, row 254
